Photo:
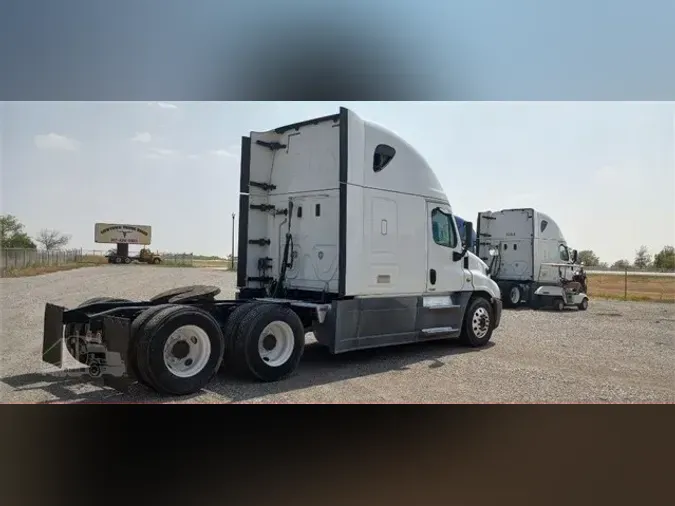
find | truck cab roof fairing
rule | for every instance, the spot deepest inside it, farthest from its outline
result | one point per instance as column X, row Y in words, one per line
column 408, row 172
column 551, row 230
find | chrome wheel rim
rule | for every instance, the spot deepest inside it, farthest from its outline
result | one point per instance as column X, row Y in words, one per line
column 480, row 322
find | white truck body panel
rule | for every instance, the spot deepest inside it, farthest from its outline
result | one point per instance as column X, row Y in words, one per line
column 360, row 231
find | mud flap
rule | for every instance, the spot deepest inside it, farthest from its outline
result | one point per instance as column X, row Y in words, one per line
column 116, row 373
column 52, row 337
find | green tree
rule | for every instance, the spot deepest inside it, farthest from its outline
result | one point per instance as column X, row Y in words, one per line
column 665, row 259
column 589, row 258
column 642, row 258
column 621, row 265
column 12, row 234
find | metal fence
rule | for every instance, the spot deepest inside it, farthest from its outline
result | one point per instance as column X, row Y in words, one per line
column 18, row 258
column 632, row 284
column 98, row 257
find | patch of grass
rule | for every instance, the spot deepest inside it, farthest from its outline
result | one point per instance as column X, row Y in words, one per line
column 93, row 259
column 633, row 288
column 213, row 263
column 171, row 264
column 36, row 270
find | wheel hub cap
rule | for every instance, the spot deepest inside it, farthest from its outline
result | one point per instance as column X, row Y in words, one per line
column 269, row 342
column 180, row 350
column 187, row 351
column 276, row 343
column 480, row 323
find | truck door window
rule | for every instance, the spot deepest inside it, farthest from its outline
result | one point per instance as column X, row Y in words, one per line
column 443, row 229
column 383, row 155
column 564, row 254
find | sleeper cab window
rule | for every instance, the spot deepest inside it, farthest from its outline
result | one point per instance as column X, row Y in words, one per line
column 543, row 225
column 443, row 229
column 383, row 155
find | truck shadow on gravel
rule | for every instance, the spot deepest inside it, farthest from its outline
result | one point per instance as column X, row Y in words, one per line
column 317, row 367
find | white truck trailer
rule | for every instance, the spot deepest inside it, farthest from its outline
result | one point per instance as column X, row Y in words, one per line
column 534, row 265
column 344, row 231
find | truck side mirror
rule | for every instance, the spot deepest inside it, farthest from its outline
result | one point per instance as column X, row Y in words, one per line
column 575, row 256
column 468, row 236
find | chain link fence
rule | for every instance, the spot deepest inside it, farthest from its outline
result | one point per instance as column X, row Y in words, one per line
column 632, row 284
column 12, row 259
column 99, row 257
column 18, row 258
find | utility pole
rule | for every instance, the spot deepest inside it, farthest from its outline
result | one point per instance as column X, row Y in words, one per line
column 232, row 259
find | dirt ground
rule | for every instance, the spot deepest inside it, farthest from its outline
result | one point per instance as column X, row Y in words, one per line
column 614, row 352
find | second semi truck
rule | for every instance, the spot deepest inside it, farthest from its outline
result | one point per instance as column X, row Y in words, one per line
column 534, row 264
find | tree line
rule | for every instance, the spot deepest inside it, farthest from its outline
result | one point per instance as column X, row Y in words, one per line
column 664, row 260
column 13, row 235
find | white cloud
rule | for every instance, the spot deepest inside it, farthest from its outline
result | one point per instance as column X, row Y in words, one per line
column 160, row 153
column 143, row 137
column 56, row 142
column 163, row 105
column 194, row 157
column 229, row 153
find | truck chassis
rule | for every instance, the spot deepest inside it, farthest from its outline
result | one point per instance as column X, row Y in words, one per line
column 178, row 340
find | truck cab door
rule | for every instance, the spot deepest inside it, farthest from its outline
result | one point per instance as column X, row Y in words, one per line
column 444, row 275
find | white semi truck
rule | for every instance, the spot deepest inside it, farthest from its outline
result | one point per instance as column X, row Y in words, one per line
column 344, row 231
column 533, row 264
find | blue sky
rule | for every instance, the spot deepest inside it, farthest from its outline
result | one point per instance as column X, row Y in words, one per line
column 604, row 170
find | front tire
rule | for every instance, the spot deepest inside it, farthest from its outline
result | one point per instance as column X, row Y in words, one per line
column 515, row 296
column 180, row 349
column 270, row 342
column 583, row 305
column 478, row 323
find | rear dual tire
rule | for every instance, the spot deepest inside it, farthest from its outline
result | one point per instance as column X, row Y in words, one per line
column 265, row 341
column 177, row 349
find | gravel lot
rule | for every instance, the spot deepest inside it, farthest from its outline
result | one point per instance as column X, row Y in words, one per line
column 615, row 352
